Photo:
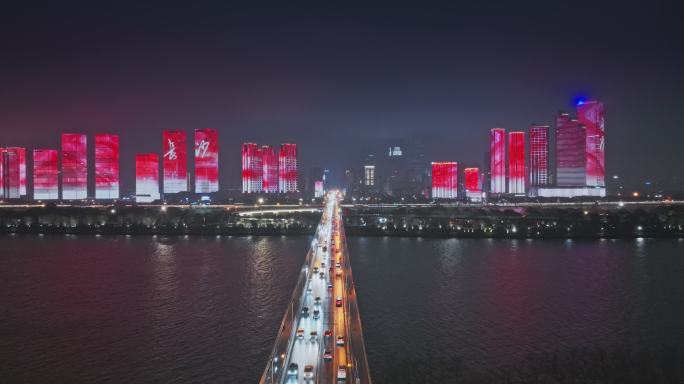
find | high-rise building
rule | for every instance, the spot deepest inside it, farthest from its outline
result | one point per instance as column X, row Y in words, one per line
column 287, row 168
column 369, row 175
column 2, row 173
column 106, row 166
column 252, row 168
column 319, row 190
column 74, row 166
column 444, row 180
column 472, row 183
column 498, row 160
column 590, row 114
column 206, row 160
column 147, row 177
column 570, row 152
column 21, row 153
column 539, row 155
column 45, row 174
column 175, row 161
column 269, row 163
column 11, row 173
column 516, row 162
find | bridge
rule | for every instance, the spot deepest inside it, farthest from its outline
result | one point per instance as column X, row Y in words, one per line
column 320, row 339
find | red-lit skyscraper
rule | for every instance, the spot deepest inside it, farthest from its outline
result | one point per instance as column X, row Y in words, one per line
column 106, row 166
column 175, row 161
column 590, row 114
column 269, row 162
column 571, row 161
column 516, row 163
column 287, row 168
column 19, row 155
column 74, row 166
column 45, row 174
column 444, row 180
column 498, row 160
column 252, row 168
column 472, row 183
column 146, row 177
column 11, row 173
column 539, row 155
column 206, row 160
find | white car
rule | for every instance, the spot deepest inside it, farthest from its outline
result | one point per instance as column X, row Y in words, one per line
column 341, row 373
column 309, row 372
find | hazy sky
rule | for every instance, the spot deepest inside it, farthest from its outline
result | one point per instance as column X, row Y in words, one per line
column 341, row 77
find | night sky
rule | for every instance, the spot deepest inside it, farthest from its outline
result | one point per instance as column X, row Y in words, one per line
column 342, row 79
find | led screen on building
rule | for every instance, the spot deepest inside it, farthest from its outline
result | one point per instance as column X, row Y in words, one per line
column 45, row 174
column 146, row 177
column 106, row 166
column 269, row 162
column 74, row 166
column 206, row 160
column 175, row 162
column 590, row 114
column 516, row 163
column 287, row 168
column 539, row 155
column 444, row 180
column 252, row 168
column 570, row 152
column 498, row 160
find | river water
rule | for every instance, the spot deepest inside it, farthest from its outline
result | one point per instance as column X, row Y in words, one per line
column 205, row 309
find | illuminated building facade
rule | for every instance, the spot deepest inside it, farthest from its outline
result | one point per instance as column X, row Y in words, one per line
column 106, row 166
column 498, row 160
column 591, row 115
column 45, row 174
column 472, row 183
column 175, row 161
column 516, row 163
column 11, row 173
column 444, row 180
column 147, row 177
column 269, row 163
column 369, row 175
column 570, row 152
column 252, row 169
column 539, row 155
column 74, row 166
column 319, row 190
column 206, row 160
column 287, row 168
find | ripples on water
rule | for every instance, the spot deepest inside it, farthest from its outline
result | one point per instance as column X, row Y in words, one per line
column 492, row 303
column 142, row 309
column 201, row 309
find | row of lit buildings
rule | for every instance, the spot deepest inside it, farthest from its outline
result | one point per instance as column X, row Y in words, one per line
column 264, row 171
column 566, row 162
column 66, row 176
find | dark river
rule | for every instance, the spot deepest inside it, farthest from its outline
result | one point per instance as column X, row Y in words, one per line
column 202, row 309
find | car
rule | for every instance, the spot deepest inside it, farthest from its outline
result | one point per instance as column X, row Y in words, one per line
column 300, row 333
column 340, row 341
column 316, row 314
column 341, row 373
column 327, row 333
column 315, row 269
column 338, row 265
column 330, row 286
column 321, row 275
column 293, row 370
column 327, row 355
column 325, row 249
column 338, row 273
column 317, row 300
column 322, row 264
column 305, row 311
column 313, row 335
column 338, row 301
column 309, row 372
column 309, row 288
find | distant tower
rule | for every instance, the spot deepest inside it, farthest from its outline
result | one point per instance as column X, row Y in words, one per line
column 269, row 162
column 498, row 160
column 472, row 183
column 539, row 155
column 146, row 177
column 590, row 114
column 45, row 174
column 516, row 163
column 570, row 152
column 206, row 160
